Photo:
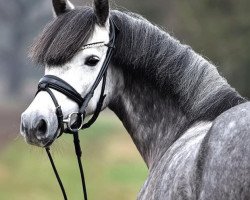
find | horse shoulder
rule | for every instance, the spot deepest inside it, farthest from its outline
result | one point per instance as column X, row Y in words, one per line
column 173, row 177
column 210, row 157
column 224, row 163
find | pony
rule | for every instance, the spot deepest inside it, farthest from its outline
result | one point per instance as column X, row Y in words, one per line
column 189, row 125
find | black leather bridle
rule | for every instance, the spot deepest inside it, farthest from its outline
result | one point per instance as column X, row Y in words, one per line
column 75, row 121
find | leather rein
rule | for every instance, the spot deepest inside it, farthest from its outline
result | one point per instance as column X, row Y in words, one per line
column 75, row 121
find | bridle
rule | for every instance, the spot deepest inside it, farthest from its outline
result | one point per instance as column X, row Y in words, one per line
column 75, row 121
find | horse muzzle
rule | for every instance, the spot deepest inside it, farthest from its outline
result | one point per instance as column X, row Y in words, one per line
column 37, row 130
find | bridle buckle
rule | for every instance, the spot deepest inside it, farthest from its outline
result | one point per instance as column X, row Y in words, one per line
column 74, row 121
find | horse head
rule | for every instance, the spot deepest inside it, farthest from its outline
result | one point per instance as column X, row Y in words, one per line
column 73, row 48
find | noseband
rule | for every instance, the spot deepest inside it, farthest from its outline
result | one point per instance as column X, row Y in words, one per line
column 75, row 121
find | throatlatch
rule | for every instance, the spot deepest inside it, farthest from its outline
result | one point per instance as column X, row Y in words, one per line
column 75, row 121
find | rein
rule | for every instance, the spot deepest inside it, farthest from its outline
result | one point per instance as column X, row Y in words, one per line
column 75, row 121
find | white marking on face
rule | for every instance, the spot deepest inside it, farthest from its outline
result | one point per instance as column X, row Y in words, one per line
column 81, row 76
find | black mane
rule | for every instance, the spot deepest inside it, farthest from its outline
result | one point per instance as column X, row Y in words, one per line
column 175, row 70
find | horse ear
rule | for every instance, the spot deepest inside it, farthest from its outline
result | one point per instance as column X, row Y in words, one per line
column 62, row 6
column 101, row 8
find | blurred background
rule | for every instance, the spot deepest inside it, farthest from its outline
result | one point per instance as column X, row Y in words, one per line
column 217, row 29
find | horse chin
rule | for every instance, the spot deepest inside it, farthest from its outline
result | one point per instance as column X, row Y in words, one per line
column 43, row 142
column 47, row 143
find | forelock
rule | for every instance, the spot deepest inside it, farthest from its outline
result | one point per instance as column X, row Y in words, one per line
column 63, row 37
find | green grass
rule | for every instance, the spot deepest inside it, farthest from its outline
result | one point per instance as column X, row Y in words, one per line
column 113, row 167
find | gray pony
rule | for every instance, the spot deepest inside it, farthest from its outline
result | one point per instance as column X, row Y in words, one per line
column 190, row 126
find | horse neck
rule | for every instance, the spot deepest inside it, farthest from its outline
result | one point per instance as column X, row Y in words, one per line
column 167, row 87
column 153, row 121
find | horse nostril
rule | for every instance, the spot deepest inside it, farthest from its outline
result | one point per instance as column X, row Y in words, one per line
column 42, row 126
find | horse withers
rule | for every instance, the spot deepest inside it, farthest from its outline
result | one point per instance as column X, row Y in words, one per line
column 189, row 125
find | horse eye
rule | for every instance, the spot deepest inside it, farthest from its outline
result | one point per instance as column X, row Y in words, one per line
column 92, row 61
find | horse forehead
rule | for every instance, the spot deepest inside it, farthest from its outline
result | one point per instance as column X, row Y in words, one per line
column 100, row 34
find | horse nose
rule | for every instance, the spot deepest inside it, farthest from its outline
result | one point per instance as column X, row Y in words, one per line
column 34, row 128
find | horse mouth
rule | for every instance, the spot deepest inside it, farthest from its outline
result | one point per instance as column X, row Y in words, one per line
column 40, row 142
